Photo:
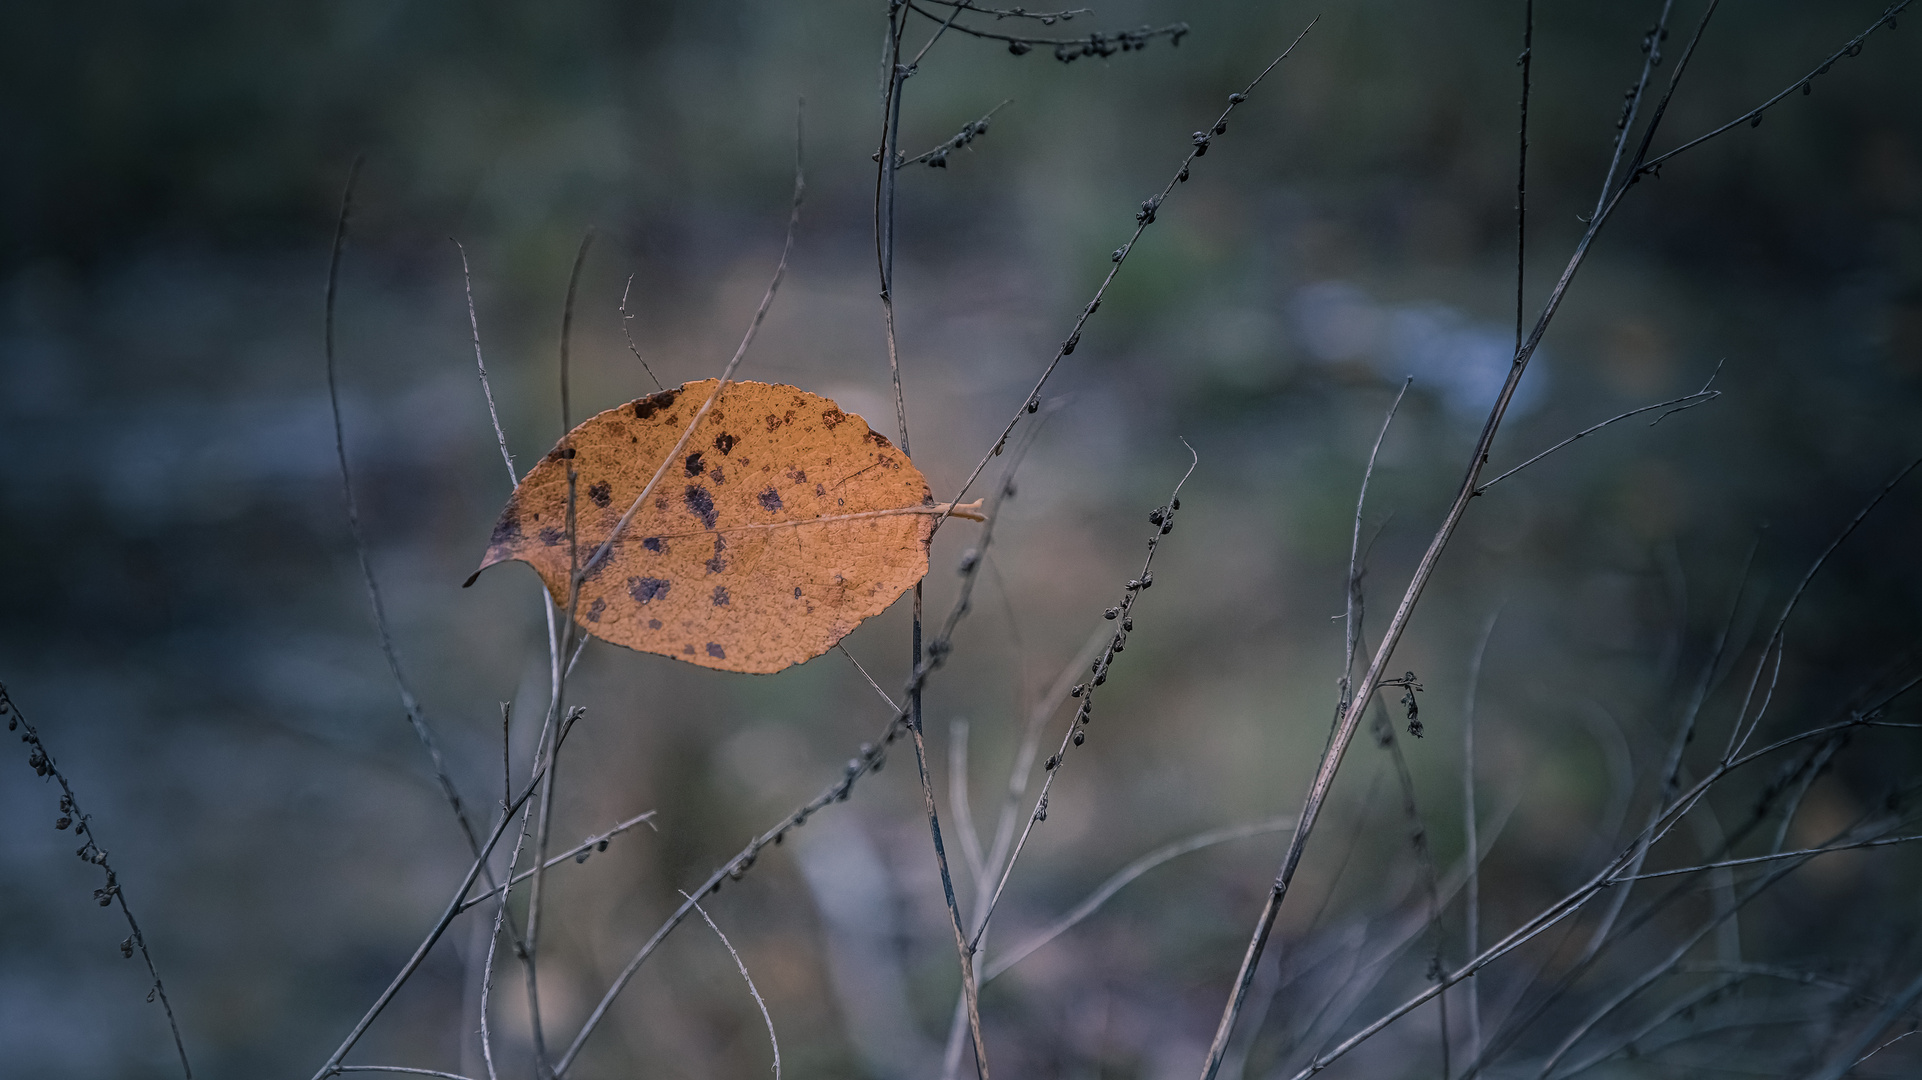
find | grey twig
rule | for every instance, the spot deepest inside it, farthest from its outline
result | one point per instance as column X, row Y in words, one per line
column 884, row 199
column 631, row 347
column 487, row 391
column 1351, row 621
column 749, row 979
column 416, row 716
column 958, row 802
column 868, row 677
column 597, row 842
column 938, row 157
column 1680, row 404
column 1753, row 117
column 727, row 373
column 440, row 926
column 1121, row 879
column 1472, row 896
column 400, row 1069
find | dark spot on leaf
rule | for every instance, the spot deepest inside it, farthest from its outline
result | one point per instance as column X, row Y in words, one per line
column 507, row 531
column 602, row 493
column 552, row 535
column 655, row 544
column 724, row 442
column 701, row 504
column 799, row 476
column 833, row 418
column 770, row 500
column 717, row 564
column 645, row 408
column 644, row 589
column 797, row 592
column 688, row 649
column 878, row 439
column 653, row 624
column 694, row 465
column 716, row 651
column 717, row 477
column 821, row 491
column 720, row 596
column 594, row 610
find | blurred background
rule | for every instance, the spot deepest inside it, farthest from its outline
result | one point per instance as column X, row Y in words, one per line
column 182, row 613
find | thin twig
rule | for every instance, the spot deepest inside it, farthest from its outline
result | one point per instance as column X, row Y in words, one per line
column 749, row 979
column 888, row 168
column 1739, row 736
column 1143, row 218
column 1672, row 766
column 1754, row 116
column 963, row 139
column 597, row 842
column 111, row 891
column 1121, row 879
column 1020, row 770
column 493, row 944
column 402, row 1069
column 1526, row 62
column 1352, row 585
column 1099, row 43
column 1472, row 896
column 1771, row 857
column 631, row 347
column 529, row 948
column 440, row 926
column 869, row 759
column 727, row 373
column 487, row 391
column 1651, row 59
column 958, row 803
column 864, row 674
column 416, row 716
column 1163, row 519
column 1682, row 404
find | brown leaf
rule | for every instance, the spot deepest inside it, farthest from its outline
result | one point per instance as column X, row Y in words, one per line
column 781, row 525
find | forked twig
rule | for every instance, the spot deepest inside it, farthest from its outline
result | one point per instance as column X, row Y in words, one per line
column 440, row 926
column 1674, row 405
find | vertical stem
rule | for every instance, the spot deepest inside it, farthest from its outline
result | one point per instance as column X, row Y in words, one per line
column 1521, row 176
column 556, row 699
column 884, row 258
column 1472, row 841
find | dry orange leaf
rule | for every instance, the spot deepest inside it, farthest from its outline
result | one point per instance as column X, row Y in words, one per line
column 781, row 525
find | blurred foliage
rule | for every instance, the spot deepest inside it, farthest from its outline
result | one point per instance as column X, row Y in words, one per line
column 184, row 617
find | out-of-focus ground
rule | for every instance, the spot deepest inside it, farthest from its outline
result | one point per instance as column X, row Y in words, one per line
column 181, row 611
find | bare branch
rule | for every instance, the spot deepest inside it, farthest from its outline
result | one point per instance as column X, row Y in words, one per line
column 749, row 979
column 1681, row 404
